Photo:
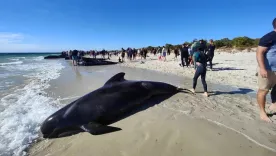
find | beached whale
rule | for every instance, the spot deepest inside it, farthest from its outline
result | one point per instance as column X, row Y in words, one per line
column 96, row 110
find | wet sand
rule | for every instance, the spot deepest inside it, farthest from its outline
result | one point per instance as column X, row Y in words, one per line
column 226, row 123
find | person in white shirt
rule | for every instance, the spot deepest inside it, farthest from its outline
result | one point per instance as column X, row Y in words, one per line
column 164, row 53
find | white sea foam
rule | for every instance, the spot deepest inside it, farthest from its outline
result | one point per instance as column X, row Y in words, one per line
column 14, row 59
column 11, row 63
column 26, row 108
column 39, row 58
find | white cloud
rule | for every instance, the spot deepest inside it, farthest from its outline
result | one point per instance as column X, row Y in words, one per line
column 15, row 42
column 6, row 38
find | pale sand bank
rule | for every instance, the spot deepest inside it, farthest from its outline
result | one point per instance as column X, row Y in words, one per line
column 223, row 124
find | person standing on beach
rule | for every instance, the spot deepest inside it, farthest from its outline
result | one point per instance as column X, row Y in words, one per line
column 176, row 51
column 75, row 57
column 200, row 63
column 266, row 58
column 184, row 55
column 123, row 54
column 211, row 53
column 164, row 53
column 145, row 53
column 202, row 45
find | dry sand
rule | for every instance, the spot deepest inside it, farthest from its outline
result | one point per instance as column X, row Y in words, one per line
column 226, row 123
column 236, row 69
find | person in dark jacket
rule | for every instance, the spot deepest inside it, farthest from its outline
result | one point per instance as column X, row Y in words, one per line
column 200, row 63
column 184, row 55
column 123, row 54
column 211, row 53
column 202, row 45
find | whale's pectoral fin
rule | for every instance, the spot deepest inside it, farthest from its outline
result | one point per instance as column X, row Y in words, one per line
column 98, row 129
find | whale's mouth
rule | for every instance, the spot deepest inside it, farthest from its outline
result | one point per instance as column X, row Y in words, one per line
column 184, row 90
column 45, row 135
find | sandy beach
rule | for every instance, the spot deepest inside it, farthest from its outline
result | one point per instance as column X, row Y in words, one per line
column 234, row 69
column 226, row 123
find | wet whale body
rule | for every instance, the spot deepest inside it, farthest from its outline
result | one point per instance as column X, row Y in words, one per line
column 94, row 111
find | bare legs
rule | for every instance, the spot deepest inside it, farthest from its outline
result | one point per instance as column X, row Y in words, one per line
column 261, row 98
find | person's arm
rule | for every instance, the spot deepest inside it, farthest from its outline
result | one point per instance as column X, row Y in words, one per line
column 194, row 60
column 264, row 43
column 260, row 59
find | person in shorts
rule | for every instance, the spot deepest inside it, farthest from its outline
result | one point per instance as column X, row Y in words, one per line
column 266, row 57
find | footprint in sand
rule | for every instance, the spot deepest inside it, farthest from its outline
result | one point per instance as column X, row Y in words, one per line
column 146, row 136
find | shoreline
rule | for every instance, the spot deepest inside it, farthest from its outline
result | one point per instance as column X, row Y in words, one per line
column 235, row 112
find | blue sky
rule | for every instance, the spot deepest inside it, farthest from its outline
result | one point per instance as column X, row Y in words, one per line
column 55, row 25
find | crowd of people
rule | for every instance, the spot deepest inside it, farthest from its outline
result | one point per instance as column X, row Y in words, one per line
column 76, row 55
column 195, row 55
column 198, row 54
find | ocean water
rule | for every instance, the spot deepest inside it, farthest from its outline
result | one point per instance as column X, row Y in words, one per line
column 23, row 102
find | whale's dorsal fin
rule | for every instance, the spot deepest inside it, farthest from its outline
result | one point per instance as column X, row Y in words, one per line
column 116, row 78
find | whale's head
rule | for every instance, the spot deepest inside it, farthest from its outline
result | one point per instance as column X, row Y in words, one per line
column 61, row 123
column 49, row 126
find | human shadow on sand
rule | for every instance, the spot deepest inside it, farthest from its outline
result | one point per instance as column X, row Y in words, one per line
column 138, row 108
column 227, row 68
column 239, row 91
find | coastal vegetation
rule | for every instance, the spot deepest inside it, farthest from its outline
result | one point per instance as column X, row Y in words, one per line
column 239, row 43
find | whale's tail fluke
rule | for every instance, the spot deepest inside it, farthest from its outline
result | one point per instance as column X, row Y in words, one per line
column 98, row 129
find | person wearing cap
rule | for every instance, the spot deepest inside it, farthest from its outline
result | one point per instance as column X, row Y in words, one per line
column 266, row 58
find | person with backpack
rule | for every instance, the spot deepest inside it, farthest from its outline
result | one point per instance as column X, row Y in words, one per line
column 200, row 65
